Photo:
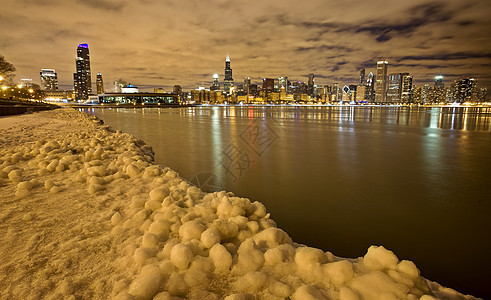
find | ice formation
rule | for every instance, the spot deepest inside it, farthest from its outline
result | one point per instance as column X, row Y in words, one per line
column 86, row 214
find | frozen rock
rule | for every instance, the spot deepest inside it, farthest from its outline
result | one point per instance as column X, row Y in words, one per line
column 176, row 285
column 97, row 171
column 150, row 240
column 191, row 230
column 409, row 268
column 153, row 205
column 159, row 228
column 55, row 190
column 271, row 237
column 339, row 272
column 94, row 188
column 308, row 258
column 52, row 165
column 142, row 254
column 196, row 277
column 251, row 282
column 378, row 285
column 24, row 186
column 250, row 258
column 222, row 259
column 146, row 285
column 280, row 289
column 15, row 176
column 116, row 218
column 181, row 255
column 308, row 292
column 346, row 293
column 210, row 237
column 240, row 297
column 378, row 258
column 159, row 194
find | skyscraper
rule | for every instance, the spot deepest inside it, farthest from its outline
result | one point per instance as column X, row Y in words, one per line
column 407, row 88
column 228, row 81
column 394, row 92
column 268, row 86
column 310, row 84
column 247, row 84
column 370, row 90
column 362, row 77
column 49, row 80
column 381, row 86
column 82, row 83
column 439, row 82
column 283, row 82
column 216, row 85
column 465, row 90
column 99, row 84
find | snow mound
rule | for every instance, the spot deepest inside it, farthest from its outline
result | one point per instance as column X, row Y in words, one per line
column 108, row 223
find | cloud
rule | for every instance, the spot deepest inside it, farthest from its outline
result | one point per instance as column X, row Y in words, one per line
column 167, row 42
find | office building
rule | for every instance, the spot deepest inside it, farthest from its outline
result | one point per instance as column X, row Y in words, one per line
column 215, row 85
column 228, row 81
column 395, row 83
column 310, row 84
column 439, row 84
column 82, row 83
column 49, row 80
column 99, row 84
column 407, row 88
column 381, row 82
column 362, row 77
column 268, row 86
column 465, row 90
column 247, row 85
column 370, row 88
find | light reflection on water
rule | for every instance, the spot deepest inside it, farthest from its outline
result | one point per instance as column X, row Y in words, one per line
column 415, row 180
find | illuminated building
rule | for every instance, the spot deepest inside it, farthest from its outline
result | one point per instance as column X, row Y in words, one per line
column 362, row 77
column 381, row 85
column 82, row 83
column 228, row 81
column 395, row 83
column 425, row 92
column 417, row 94
column 439, row 84
column 407, row 88
column 247, row 84
column 283, row 82
column 335, row 94
column 99, row 84
column 26, row 82
column 465, row 90
column 49, row 80
column 159, row 90
column 268, row 86
column 370, row 90
column 361, row 93
column 118, row 85
column 310, row 85
column 215, row 86
column 129, row 89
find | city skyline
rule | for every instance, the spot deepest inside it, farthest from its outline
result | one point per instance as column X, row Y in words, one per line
column 161, row 44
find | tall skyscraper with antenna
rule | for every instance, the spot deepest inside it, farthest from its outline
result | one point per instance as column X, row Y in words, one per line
column 82, row 83
column 228, row 81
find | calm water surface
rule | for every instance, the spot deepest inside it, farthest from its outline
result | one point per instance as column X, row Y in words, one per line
column 416, row 180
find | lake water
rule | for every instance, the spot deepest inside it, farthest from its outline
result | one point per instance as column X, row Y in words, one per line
column 416, row 180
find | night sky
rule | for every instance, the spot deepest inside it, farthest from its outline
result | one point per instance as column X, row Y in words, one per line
column 159, row 43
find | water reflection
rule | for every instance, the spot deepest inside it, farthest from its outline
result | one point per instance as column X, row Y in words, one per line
column 397, row 176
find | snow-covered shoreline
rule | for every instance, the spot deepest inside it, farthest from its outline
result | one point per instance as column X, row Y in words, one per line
column 86, row 214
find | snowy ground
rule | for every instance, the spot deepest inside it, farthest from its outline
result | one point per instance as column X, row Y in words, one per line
column 85, row 214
